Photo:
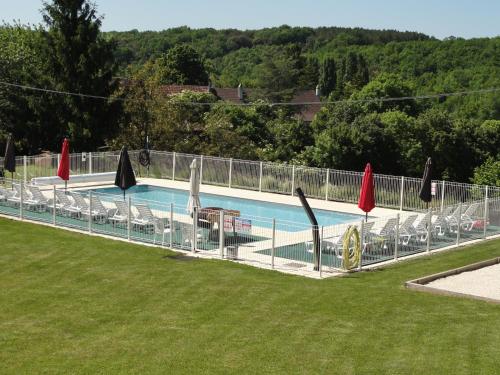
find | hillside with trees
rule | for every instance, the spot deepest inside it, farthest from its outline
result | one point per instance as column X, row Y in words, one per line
column 351, row 67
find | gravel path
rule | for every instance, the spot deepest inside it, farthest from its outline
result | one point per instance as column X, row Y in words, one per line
column 483, row 282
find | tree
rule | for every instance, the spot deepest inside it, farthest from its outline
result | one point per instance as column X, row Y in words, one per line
column 288, row 136
column 488, row 173
column 26, row 114
column 178, row 122
column 387, row 85
column 80, row 61
column 182, row 65
column 447, row 141
column 328, row 76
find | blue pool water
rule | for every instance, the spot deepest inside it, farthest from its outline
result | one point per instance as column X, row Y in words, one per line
column 247, row 207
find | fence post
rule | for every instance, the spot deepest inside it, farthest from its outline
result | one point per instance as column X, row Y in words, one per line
column 293, row 178
column 485, row 220
column 195, row 229
column 442, row 195
column 362, row 230
column 260, row 177
column 54, row 197
column 90, row 211
column 129, row 216
column 459, row 222
column 25, row 169
column 321, row 252
column 396, row 241
column 201, row 170
column 222, row 240
column 327, row 185
column 172, row 226
column 402, row 193
column 90, row 163
column 21, row 201
column 230, row 172
column 173, row 166
column 273, row 243
column 429, row 231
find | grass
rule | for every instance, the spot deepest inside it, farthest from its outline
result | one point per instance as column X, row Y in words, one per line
column 74, row 304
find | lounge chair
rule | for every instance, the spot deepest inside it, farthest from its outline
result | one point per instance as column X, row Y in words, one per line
column 440, row 224
column 5, row 194
column 421, row 231
column 99, row 213
column 64, row 205
column 37, row 202
column 465, row 222
column 18, row 192
column 79, row 203
column 406, row 229
column 145, row 221
column 187, row 235
column 121, row 214
column 161, row 228
column 471, row 213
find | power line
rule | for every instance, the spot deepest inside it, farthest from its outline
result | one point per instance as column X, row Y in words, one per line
column 370, row 100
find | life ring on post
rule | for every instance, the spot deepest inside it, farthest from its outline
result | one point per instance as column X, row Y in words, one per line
column 351, row 248
column 144, row 158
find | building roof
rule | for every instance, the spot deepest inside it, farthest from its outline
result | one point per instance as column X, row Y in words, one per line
column 306, row 112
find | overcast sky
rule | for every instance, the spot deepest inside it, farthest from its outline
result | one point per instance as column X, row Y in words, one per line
column 439, row 18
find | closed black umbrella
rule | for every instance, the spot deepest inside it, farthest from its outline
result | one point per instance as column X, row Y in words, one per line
column 125, row 176
column 425, row 192
column 9, row 162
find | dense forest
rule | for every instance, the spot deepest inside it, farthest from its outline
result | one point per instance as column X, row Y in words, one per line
column 351, row 67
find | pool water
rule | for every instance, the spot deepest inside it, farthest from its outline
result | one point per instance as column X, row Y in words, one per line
column 247, row 207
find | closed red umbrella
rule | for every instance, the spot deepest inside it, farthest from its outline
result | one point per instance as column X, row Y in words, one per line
column 63, row 169
column 367, row 193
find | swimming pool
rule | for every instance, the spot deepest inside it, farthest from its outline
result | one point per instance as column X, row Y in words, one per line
column 247, row 207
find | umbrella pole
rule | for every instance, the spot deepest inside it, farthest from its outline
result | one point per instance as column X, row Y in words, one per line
column 12, row 180
column 366, row 216
column 123, row 194
column 65, row 186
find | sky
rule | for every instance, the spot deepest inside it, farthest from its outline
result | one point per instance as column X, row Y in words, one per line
column 438, row 18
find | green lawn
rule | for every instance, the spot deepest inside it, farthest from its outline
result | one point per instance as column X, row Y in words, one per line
column 74, row 304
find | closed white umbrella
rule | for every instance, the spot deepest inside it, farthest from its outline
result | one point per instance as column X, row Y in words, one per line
column 194, row 187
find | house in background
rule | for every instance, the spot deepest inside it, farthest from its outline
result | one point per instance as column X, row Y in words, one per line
column 240, row 94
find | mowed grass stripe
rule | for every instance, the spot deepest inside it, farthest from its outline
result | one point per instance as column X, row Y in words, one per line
column 72, row 303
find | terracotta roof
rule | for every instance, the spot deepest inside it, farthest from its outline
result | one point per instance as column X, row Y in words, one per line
column 307, row 112
column 228, row 94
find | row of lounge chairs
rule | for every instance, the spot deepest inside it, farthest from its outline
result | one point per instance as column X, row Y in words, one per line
column 75, row 205
column 414, row 229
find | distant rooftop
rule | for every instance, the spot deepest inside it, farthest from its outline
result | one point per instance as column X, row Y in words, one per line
column 242, row 95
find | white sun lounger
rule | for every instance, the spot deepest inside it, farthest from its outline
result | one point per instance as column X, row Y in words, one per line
column 64, row 205
column 5, row 194
column 465, row 222
column 38, row 202
column 18, row 192
column 121, row 214
column 406, row 230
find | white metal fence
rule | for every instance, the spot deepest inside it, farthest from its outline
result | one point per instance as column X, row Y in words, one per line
column 396, row 192
column 264, row 242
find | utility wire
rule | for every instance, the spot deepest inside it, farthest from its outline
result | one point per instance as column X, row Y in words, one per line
column 243, row 104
